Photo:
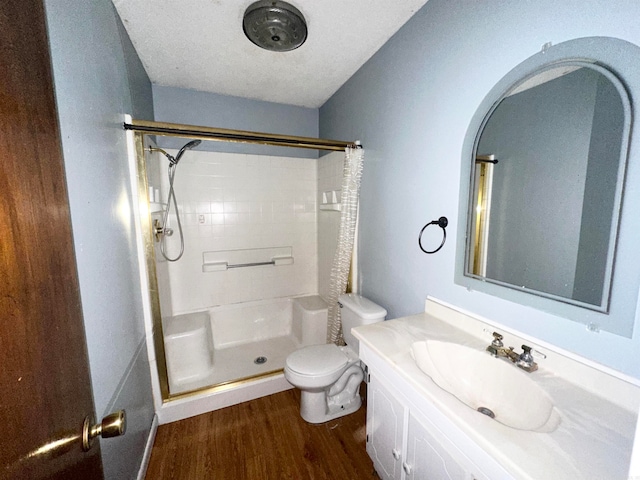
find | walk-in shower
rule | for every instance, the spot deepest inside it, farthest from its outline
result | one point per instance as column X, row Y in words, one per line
column 245, row 292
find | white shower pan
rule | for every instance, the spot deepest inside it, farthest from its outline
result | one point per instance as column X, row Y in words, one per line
column 230, row 343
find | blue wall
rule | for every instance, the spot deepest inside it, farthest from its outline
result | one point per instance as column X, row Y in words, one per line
column 411, row 104
column 98, row 78
column 191, row 107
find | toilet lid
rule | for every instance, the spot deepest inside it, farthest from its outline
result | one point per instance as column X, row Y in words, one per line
column 317, row 360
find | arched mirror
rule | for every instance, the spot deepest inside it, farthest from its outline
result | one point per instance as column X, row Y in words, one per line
column 545, row 199
column 543, row 222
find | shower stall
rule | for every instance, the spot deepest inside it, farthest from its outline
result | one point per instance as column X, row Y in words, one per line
column 237, row 251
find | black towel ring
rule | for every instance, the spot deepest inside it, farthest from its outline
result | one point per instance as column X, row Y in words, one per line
column 442, row 222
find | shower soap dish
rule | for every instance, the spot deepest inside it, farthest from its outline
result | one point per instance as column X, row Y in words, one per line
column 330, row 201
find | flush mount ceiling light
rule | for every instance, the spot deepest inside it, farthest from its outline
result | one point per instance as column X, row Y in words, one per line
column 274, row 25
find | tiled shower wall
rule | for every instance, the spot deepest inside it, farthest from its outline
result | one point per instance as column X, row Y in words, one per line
column 236, row 201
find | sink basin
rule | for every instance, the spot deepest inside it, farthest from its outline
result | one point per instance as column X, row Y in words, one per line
column 490, row 385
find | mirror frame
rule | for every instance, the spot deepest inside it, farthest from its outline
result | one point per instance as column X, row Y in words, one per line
column 613, row 58
column 626, row 104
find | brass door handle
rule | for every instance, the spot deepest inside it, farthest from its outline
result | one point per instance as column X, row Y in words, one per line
column 112, row 425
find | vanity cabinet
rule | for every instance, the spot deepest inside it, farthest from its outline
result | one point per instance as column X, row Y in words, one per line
column 405, row 445
column 409, row 438
column 416, row 430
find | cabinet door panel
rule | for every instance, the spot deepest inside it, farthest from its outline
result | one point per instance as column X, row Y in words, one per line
column 427, row 459
column 385, row 422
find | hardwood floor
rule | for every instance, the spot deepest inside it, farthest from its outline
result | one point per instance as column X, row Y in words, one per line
column 262, row 439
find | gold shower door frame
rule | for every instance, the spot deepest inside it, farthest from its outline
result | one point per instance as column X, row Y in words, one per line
column 144, row 127
column 481, row 224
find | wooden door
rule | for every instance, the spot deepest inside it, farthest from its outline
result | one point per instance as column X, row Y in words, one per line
column 45, row 390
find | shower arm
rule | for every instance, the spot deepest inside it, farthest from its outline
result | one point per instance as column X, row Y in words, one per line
column 156, row 149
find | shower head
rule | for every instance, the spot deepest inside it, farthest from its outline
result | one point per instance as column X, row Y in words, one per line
column 274, row 25
column 188, row 146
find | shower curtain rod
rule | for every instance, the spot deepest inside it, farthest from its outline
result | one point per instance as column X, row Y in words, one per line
column 238, row 136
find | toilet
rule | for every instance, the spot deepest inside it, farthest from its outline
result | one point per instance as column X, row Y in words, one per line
column 329, row 376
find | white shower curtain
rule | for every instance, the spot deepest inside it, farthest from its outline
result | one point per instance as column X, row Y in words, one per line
column 352, row 174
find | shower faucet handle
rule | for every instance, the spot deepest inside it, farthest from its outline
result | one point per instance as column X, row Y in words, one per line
column 159, row 230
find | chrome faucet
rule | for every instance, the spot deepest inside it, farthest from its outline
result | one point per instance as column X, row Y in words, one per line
column 523, row 360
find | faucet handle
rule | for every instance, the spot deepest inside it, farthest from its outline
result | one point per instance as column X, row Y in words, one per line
column 497, row 340
column 525, row 360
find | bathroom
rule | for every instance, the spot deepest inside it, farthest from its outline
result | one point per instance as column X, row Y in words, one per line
column 410, row 105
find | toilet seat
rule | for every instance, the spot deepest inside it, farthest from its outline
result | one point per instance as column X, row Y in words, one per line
column 317, row 360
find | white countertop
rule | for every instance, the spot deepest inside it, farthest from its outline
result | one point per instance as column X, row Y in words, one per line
column 595, row 437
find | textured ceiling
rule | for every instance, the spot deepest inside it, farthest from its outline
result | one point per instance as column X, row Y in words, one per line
column 199, row 44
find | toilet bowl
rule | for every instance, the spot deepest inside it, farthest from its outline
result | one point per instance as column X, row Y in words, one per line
column 329, row 376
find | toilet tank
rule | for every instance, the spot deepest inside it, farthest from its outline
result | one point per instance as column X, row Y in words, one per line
column 356, row 311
